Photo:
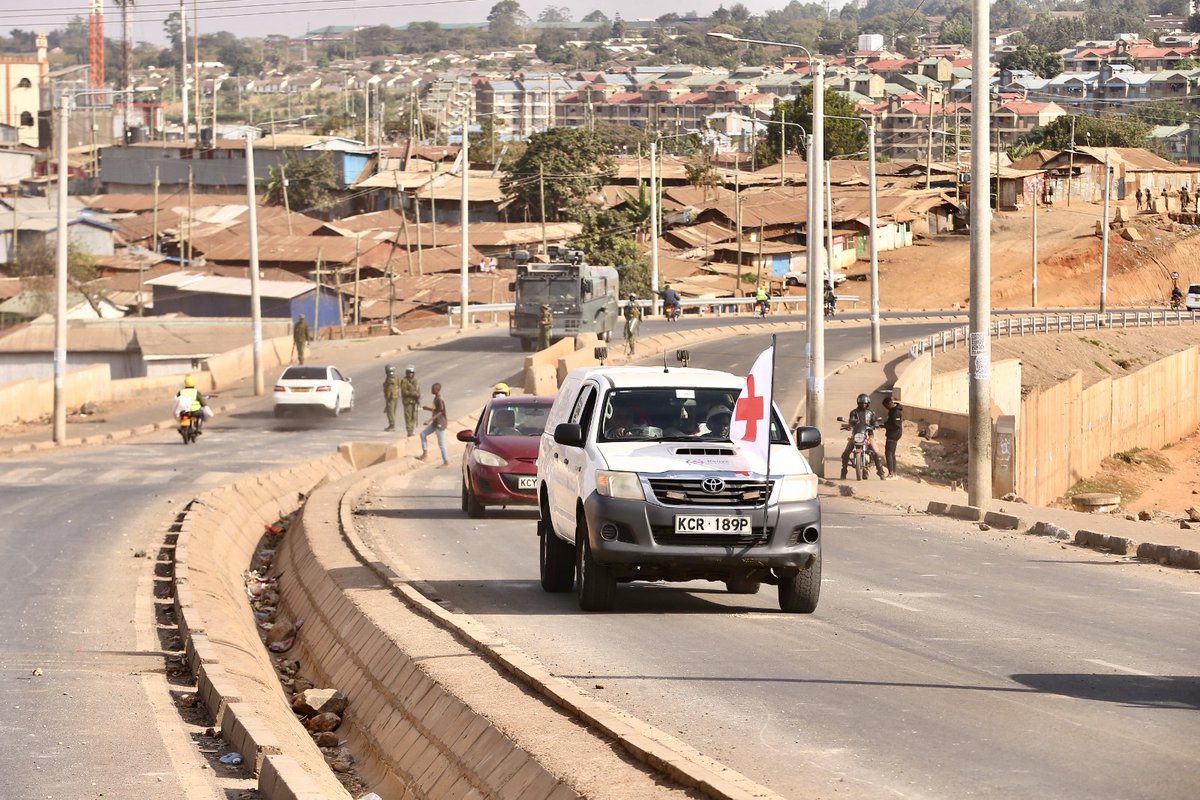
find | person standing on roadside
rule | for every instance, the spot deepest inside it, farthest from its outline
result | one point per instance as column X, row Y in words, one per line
column 391, row 395
column 437, row 424
column 633, row 318
column 1138, row 196
column 893, row 426
column 545, row 327
column 300, row 337
column 410, row 396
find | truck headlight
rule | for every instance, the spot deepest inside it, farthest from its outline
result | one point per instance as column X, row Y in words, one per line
column 619, row 485
column 488, row 459
column 798, row 488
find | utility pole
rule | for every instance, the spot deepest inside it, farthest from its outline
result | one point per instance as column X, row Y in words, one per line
column 815, row 402
column 317, row 300
column 60, row 274
column 255, row 294
column 782, row 144
column 929, row 145
column 197, row 90
column 872, row 220
column 1035, row 252
column 654, row 227
column 828, row 226
column 737, row 221
column 154, row 242
column 1071, row 171
column 979, row 343
column 542, row 202
column 465, row 288
column 287, row 206
column 183, row 66
column 191, row 220
column 1104, row 236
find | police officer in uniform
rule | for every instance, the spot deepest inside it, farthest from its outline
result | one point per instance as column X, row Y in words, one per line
column 410, row 396
column 545, row 326
column 391, row 395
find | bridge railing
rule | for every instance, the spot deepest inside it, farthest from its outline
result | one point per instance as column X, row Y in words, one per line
column 1052, row 322
column 717, row 305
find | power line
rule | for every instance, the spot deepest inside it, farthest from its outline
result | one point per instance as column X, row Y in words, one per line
column 144, row 14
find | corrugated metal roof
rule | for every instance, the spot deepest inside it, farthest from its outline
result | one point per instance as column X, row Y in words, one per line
column 286, row 249
column 214, row 284
column 499, row 234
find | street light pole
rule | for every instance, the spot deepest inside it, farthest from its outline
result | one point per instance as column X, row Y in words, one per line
column 873, row 233
column 1104, row 237
column 654, row 226
column 979, row 350
column 255, row 296
column 60, row 275
column 465, row 286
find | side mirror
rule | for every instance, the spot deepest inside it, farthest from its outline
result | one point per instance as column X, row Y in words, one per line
column 586, row 286
column 466, row 436
column 807, row 437
column 569, row 434
column 512, row 286
column 600, row 353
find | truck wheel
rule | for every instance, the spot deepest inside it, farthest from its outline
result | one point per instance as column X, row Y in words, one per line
column 556, row 560
column 527, row 345
column 742, row 586
column 594, row 585
column 798, row 593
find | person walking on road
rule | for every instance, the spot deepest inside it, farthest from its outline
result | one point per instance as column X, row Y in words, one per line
column 893, row 426
column 633, row 319
column 545, row 327
column 1183, row 198
column 437, row 424
column 410, row 396
column 300, row 337
column 1138, row 197
column 1166, row 200
column 391, row 395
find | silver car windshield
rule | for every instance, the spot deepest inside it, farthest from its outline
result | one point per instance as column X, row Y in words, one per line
column 673, row 415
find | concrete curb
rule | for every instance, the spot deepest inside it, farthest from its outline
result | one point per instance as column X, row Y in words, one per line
column 1165, row 555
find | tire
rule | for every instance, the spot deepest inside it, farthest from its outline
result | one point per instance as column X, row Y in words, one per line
column 860, row 466
column 608, row 337
column 742, row 586
column 464, row 496
column 556, row 560
column 474, row 508
column 337, row 408
column 184, row 433
column 594, row 586
column 799, row 593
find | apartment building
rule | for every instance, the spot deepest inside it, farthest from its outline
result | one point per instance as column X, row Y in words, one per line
column 21, row 80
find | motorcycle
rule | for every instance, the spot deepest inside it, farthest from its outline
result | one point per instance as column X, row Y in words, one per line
column 189, row 425
column 830, row 308
column 1176, row 303
column 671, row 311
column 761, row 308
column 860, row 452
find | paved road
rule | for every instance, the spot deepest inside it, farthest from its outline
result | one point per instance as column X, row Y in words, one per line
column 942, row 663
column 78, row 605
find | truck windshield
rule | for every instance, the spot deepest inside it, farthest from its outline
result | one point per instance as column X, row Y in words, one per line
column 673, row 414
column 549, row 290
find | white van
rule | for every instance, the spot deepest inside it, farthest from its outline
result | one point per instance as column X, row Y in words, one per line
column 638, row 480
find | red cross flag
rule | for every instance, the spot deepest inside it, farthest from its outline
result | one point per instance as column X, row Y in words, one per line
column 750, row 426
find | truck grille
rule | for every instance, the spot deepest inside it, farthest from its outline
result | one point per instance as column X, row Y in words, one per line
column 666, row 535
column 691, row 492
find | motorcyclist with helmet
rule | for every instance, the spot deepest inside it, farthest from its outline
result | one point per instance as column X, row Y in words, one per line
column 830, row 300
column 196, row 404
column 862, row 417
column 1176, row 298
column 762, row 300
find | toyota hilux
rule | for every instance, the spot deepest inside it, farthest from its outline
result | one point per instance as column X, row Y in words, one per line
column 638, row 480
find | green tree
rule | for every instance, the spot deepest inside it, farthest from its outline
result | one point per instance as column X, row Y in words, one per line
column 704, row 176
column 310, row 183
column 605, row 240
column 173, row 29
column 957, row 27
column 1035, row 58
column 504, row 22
column 842, row 136
column 568, row 163
column 1120, row 131
column 555, row 14
column 239, row 58
column 1186, row 64
column 596, row 16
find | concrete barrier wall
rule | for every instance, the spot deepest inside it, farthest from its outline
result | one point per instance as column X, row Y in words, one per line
column 217, row 539
column 1065, row 432
column 411, row 736
column 164, row 386
column 31, row 400
column 236, row 364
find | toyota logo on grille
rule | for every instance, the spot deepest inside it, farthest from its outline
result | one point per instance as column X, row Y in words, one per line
column 713, row 485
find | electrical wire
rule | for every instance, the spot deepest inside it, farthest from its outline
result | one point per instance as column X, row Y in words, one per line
column 140, row 14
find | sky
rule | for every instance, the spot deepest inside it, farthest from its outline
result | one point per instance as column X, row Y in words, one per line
column 261, row 17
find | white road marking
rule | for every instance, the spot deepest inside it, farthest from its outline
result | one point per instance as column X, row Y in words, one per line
column 897, row 605
column 1119, row 668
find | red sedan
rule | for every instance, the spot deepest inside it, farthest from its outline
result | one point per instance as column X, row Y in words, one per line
column 499, row 466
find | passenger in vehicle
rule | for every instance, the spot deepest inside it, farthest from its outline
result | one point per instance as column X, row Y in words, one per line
column 504, row 423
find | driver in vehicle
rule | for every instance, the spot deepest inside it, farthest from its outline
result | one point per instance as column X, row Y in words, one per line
column 503, row 423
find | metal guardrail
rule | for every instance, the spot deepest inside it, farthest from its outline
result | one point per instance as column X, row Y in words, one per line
column 1022, row 325
column 715, row 304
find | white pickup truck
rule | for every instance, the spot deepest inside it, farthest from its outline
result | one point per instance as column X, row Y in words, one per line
column 638, row 480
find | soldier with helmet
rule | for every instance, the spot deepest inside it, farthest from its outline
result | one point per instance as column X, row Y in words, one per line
column 410, row 396
column 633, row 318
column 391, row 395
